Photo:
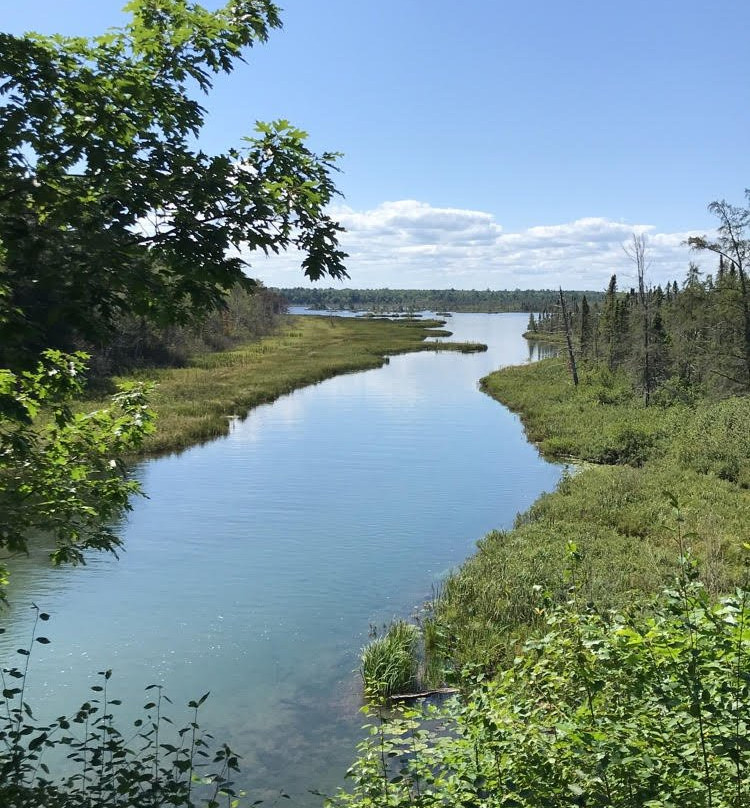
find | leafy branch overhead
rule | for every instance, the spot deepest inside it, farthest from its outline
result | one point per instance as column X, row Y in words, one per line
column 106, row 204
column 60, row 472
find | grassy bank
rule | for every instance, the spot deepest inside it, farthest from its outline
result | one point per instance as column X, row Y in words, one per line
column 615, row 510
column 642, row 705
column 195, row 403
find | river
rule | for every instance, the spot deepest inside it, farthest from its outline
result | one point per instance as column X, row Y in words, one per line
column 258, row 561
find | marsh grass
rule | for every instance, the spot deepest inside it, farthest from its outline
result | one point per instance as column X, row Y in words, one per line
column 196, row 403
column 613, row 509
column 390, row 662
column 434, row 662
column 461, row 347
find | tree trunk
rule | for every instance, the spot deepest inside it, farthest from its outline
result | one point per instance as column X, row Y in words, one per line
column 571, row 355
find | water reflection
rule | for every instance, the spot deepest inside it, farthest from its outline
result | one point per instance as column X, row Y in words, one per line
column 541, row 350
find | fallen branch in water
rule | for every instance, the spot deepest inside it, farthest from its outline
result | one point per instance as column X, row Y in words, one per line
column 440, row 691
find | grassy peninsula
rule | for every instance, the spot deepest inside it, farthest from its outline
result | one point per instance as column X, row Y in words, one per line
column 195, row 403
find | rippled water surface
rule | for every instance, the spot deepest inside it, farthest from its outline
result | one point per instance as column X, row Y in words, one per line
column 259, row 560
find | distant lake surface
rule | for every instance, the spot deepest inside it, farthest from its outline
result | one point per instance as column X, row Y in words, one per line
column 258, row 562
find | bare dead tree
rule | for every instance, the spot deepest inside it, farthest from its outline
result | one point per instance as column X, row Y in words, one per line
column 568, row 340
column 636, row 252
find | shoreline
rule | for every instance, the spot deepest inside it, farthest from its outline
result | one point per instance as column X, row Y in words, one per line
column 197, row 403
column 613, row 511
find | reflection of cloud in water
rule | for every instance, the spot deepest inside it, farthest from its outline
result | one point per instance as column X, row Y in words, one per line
column 397, row 382
column 285, row 413
column 405, row 382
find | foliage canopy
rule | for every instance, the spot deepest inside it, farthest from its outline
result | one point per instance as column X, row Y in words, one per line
column 60, row 471
column 106, row 204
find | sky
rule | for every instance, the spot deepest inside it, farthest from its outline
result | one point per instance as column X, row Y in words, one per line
column 494, row 144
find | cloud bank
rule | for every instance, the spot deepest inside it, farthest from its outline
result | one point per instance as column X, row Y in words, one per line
column 411, row 245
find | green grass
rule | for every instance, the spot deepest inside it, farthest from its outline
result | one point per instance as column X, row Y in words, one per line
column 601, row 421
column 389, row 663
column 613, row 508
column 196, row 403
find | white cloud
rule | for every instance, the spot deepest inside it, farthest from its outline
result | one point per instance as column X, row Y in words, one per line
column 409, row 218
column 411, row 244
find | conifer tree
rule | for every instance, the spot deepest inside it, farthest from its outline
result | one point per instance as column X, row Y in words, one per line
column 586, row 330
column 733, row 246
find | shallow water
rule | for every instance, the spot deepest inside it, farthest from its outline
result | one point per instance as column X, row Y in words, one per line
column 258, row 562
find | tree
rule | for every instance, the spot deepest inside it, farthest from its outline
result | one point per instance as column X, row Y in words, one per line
column 636, row 252
column 608, row 336
column 107, row 206
column 732, row 245
column 587, row 329
column 689, row 325
column 568, row 340
column 107, row 209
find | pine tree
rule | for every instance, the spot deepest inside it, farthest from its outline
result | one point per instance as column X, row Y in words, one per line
column 586, row 331
column 608, row 324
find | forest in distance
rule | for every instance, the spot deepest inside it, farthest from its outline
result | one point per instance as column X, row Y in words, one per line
column 437, row 300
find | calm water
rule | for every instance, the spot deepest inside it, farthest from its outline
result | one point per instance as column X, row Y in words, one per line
column 259, row 560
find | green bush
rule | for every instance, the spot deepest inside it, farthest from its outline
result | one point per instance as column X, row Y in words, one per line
column 716, row 440
column 600, row 709
column 629, row 444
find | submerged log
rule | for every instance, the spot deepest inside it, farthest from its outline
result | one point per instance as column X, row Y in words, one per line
column 439, row 691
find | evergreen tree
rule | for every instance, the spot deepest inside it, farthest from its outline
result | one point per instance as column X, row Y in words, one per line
column 733, row 246
column 608, row 323
column 687, row 324
column 586, row 335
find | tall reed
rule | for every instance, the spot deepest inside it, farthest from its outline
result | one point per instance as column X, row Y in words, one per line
column 390, row 662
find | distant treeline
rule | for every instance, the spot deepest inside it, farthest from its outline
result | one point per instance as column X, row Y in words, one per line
column 382, row 300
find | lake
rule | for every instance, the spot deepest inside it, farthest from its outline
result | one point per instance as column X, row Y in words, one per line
column 259, row 561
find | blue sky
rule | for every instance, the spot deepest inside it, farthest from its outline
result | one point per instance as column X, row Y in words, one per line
column 495, row 144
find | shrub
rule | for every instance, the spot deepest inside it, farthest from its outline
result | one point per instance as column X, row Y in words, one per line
column 601, row 709
column 716, row 440
column 101, row 765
